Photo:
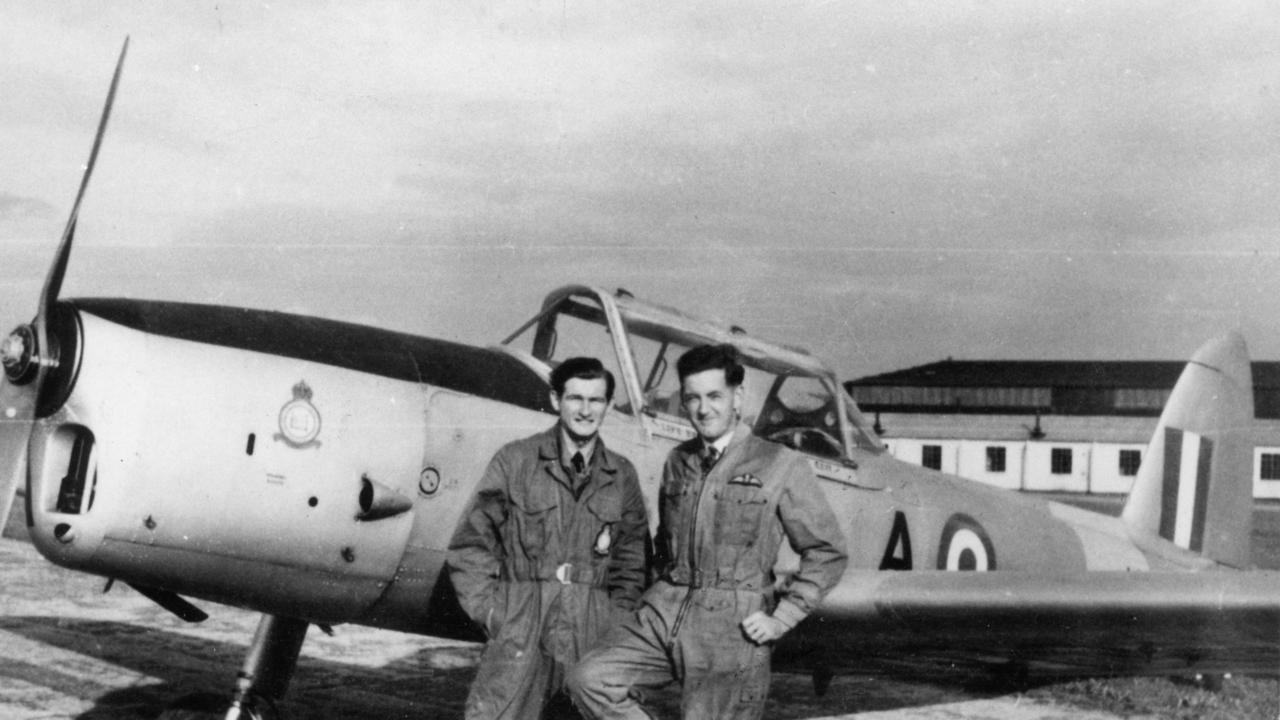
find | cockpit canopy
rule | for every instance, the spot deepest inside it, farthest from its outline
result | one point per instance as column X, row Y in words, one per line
column 790, row 397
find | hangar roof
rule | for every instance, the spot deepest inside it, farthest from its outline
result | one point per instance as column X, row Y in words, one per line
column 1153, row 374
column 1017, row 428
column 1060, row 387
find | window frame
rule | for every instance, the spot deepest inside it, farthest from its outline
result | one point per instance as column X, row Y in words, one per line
column 1269, row 461
column 1061, row 461
column 997, row 460
column 926, row 450
column 1123, row 467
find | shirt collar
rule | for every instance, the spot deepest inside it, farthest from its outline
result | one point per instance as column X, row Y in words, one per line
column 568, row 447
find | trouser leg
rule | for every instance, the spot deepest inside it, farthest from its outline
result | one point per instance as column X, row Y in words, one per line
column 604, row 683
column 731, row 685
column 725, row 674
column 509, row 685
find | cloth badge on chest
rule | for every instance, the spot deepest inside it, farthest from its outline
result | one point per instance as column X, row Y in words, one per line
column 603, row 541
column 747, row 479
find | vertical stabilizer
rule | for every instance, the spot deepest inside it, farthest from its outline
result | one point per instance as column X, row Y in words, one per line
column 1195, row 486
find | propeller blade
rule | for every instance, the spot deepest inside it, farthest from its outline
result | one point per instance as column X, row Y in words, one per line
column 31, row 345
column 47, row 357
column 53, row 282
column 17, row 406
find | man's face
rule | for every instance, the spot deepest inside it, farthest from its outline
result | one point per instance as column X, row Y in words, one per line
column 582, row 407
column 711, row 403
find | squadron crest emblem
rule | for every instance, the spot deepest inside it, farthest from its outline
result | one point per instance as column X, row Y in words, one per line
column 299, row 420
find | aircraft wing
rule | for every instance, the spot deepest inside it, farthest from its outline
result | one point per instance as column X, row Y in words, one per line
column 1094, row 623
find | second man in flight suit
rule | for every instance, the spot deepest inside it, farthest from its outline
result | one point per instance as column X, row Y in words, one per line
column 728, row 500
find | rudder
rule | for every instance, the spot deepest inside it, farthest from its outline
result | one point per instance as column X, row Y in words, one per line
column 1195, row 485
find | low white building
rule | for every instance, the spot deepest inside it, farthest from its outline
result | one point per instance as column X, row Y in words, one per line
column 1060, row 426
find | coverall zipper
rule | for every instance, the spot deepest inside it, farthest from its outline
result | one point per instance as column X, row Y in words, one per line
column 694, row 584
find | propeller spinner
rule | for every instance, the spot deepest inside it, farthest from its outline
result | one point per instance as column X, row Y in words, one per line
column 32, row 352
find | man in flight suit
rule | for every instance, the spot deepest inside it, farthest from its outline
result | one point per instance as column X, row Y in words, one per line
column 551, row 551
column 728, row 498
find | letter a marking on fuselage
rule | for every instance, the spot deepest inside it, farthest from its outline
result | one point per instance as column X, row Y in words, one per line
column 899, row 539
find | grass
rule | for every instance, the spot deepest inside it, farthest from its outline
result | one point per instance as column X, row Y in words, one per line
column 1240, row 698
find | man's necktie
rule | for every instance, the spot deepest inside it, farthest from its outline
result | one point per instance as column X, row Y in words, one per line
column 709, row 458
column 579, row 465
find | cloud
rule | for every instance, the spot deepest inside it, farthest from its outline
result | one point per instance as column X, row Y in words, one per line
column 15, row 208
column 883, row 183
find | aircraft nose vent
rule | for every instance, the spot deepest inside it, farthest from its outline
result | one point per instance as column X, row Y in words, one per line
column 63, row 470
column 377, row 501
column 75, row 491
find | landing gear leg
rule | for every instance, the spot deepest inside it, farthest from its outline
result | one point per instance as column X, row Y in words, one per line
column 264, row 678
column 822, row 677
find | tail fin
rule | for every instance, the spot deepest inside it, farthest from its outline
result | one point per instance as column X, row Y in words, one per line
column 1195, row 485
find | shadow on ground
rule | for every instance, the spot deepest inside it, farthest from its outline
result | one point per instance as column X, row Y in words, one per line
column 182, row 665
column 430, row 683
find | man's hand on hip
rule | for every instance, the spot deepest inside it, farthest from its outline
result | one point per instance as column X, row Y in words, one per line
column 761, row 628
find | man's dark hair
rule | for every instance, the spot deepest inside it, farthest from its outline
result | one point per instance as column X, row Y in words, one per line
column 712, row 357
column 583, row 368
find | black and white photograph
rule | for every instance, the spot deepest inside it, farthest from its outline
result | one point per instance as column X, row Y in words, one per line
column 562, row 361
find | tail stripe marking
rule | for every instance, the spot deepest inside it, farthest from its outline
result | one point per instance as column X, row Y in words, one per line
column 1169, row 488
column 1184, row 500
column 1202, row 494
column 1186, row 475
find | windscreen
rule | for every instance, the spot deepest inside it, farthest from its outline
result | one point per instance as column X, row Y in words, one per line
column 788, row 406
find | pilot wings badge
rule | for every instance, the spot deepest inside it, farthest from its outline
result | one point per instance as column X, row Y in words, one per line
column 299, row 420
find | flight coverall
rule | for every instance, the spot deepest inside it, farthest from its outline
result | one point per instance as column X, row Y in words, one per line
column 718, row 539
column 544, row 570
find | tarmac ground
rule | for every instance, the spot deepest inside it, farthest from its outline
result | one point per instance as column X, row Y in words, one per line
column 69, row 650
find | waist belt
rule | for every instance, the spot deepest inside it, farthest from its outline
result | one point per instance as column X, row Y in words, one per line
column 710, row 579
column 563, row 573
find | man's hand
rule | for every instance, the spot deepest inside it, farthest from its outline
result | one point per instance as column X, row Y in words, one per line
column 762, row 628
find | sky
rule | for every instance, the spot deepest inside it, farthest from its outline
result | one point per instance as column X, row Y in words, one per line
column 884, row 184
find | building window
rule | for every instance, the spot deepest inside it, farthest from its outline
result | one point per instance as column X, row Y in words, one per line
column 931, row 456
column 1060, row 461
column 1269, row 466
column 995, row 459
column 1129, row 462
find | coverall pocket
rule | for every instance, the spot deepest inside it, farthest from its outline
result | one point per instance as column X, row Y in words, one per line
column 606, row 506
column 606, row 511
column 532, row 517
column 739, row 512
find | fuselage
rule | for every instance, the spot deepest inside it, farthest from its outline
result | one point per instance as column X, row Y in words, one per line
column 316, row 469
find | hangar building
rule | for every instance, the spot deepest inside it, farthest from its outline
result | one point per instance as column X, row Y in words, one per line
column 1061, row 426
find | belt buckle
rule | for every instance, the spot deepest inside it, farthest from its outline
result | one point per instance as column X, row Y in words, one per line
column 564, row 573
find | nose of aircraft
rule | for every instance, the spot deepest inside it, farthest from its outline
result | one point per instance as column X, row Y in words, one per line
column 16, row 352
column 28, row 354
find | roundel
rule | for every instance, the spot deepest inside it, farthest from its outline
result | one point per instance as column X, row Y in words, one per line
column 965, row 546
